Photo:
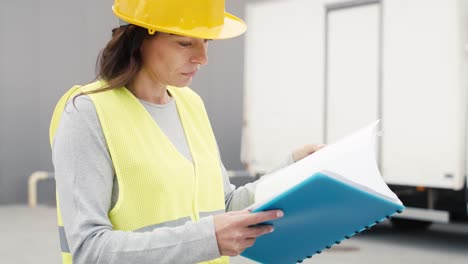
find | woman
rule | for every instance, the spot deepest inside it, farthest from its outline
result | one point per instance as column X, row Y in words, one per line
column 139, row 178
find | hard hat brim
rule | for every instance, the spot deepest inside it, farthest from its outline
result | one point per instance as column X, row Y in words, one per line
column 233, row 27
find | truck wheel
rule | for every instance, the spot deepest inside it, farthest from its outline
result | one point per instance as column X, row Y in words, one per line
column 407, row 224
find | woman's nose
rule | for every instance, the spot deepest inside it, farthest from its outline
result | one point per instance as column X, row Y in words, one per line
column 201, row 55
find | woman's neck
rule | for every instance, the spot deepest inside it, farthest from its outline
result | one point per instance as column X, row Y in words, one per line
column 148, row 89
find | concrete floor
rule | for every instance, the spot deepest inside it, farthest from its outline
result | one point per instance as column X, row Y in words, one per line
column 30, row 236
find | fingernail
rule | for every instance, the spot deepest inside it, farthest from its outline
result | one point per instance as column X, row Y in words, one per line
column 279, row 214
column 272, row 229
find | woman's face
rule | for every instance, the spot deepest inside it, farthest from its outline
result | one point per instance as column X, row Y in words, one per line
column 172, row 59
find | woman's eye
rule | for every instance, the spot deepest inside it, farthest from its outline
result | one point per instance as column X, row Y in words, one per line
column 185, row 44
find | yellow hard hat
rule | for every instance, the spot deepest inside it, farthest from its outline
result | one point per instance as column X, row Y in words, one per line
column 204, row 19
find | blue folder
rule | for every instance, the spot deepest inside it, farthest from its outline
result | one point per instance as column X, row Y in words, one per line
column 319, row 213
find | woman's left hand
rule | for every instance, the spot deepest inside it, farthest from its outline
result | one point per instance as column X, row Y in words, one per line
column 306, row 150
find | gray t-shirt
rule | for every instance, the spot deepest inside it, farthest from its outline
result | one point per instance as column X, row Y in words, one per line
column 87, row 187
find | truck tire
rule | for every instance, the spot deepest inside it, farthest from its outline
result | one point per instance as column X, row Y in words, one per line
column 407, row 224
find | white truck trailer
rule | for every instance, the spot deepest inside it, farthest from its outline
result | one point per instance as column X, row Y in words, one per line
column 317, row 70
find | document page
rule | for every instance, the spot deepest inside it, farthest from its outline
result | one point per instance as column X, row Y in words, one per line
column 353, row 157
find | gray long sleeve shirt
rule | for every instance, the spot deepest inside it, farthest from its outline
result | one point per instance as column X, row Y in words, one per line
column 87, row 187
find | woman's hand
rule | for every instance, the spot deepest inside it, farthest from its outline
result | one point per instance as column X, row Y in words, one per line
column 306, row 150
column 237, row 230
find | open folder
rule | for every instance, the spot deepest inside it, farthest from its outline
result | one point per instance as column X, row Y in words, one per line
column 326, row 197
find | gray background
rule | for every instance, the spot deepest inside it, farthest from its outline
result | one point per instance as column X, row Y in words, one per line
column 48, row 46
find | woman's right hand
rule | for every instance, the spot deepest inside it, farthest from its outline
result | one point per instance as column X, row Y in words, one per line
column 237, row 230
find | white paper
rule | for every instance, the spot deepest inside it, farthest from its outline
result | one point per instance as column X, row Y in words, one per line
column 352, row 157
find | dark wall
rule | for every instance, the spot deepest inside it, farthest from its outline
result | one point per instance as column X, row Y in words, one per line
column 48, row 46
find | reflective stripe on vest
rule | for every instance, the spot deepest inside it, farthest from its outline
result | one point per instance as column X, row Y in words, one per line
column 157, row 185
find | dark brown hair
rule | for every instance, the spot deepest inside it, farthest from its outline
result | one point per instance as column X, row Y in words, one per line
column 119, row 62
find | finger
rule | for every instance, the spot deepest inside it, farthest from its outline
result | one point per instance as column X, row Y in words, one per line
column 311, row 148
column 240, row 212
column 259, row 230
column 320, row 146
column 248, row 243
column 260, row 217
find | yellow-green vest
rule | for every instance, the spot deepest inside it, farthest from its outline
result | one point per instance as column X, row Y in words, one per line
column 158, row 186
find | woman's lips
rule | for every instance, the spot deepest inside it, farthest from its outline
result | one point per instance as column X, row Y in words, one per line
column 190, row 74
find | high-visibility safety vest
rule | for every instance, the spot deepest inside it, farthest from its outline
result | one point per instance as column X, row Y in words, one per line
column 158, row 186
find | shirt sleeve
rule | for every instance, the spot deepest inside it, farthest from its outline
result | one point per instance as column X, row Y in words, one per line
column 242, row 197
column 84, row 180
